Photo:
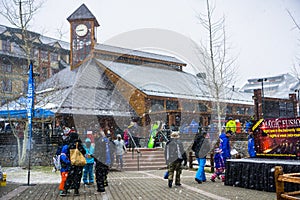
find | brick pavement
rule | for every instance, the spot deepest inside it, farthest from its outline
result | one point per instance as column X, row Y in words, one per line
column 137, row 186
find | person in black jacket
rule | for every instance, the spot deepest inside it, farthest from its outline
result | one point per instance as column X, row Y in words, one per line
column 201, row 147
column 75, row 172
column 103, row 156
column 174, row 155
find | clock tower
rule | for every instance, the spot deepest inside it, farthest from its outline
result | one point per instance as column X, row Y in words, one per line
column 83, row 36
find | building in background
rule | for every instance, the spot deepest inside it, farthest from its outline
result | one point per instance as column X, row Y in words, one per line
column 48, row 55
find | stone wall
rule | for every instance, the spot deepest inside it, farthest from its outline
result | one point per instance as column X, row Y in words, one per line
column 41, row 155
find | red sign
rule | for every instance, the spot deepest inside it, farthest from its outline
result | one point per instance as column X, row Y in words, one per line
column 278, row 137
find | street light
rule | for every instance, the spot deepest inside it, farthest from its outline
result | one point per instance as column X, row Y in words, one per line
column 262, row 94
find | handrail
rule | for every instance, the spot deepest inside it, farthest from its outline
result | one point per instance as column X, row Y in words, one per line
column 137, row 150
column 162, row 132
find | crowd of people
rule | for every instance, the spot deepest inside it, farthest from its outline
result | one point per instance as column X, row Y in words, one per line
column 101, row 151
column 99, row 158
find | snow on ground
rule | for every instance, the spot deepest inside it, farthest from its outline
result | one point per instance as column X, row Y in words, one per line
column 19, row 175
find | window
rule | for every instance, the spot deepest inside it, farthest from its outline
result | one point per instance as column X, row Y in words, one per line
column 24, row 69
column 228, row 109
column 172, row 105
column 202, row 107
column 240, row 111
column 44, row 55
column 188, row 106
column 7, row 68
column 6, row 47
column 157, row 105
column 54, row 57
column 249, row 111
column 7, row 85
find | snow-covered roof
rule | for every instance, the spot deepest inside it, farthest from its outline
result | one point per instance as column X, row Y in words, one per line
column 169, row 83
column 125, row 51
column 279, row 86
column 85, row 91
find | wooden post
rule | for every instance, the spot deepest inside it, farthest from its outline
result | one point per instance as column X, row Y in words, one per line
column 191, row 160
column 279, row 184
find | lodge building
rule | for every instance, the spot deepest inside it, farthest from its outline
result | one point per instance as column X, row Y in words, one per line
column 49, row 56
column 114, row 85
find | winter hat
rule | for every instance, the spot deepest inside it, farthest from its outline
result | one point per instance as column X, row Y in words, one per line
column 67, row 130
column 119, row 136
column 87, row 140
column 175, row 134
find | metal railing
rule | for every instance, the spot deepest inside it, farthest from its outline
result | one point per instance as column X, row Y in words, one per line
column 137, row 150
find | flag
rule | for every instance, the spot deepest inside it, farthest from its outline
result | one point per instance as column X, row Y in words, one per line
column 30, row 102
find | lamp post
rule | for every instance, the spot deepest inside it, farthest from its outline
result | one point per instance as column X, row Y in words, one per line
column 298, row 109
column 261, row 80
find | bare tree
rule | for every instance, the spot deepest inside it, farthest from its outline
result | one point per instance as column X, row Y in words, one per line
column 20, row 13
column 219, row 68
column 295, row 67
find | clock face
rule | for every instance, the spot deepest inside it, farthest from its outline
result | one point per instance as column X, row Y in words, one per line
column 81, row 30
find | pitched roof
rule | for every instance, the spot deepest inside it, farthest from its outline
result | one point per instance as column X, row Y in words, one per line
column 141, row 54
column 169, row 83
column 82, row 13
column 85, row 91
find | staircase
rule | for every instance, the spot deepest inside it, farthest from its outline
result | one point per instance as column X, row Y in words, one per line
column 149, row 159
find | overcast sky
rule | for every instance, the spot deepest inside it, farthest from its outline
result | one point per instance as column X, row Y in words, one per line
column 262, row 34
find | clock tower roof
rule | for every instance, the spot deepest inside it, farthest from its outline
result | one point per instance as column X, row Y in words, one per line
column 82, row 13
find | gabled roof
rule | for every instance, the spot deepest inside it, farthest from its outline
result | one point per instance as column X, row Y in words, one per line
column 82, row 13
column 84, row 91
column 169, row 83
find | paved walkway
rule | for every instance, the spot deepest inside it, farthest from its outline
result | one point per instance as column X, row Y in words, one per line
column 129, row 186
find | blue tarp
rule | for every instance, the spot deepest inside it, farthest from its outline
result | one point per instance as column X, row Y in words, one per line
column 38, row 113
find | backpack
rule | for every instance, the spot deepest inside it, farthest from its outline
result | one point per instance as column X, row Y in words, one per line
column 173, row 152
column 56, row 162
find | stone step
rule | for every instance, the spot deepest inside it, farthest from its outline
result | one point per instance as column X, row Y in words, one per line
column 144, row 168
column 149, row 159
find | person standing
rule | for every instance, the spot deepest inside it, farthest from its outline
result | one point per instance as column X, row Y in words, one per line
column 120, row 149
column 201, row 147
column 231, row 125
column 251, row 146
column 225, row 144
column 174, row 155
column 126, row 137
column 219, row 166
column 103, row 159
column 88, row 170
column 75, row 172
column 65, row 167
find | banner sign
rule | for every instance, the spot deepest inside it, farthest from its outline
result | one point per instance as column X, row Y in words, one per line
column 30, row 102
column 278, row 137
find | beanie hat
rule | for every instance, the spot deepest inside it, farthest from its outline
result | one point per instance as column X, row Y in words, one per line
column 87, row 140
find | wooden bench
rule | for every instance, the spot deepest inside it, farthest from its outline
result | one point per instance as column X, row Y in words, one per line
column 280, row 179
column 209, row 158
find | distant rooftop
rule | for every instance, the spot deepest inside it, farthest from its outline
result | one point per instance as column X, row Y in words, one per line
column 125, row 51
column 279, row 86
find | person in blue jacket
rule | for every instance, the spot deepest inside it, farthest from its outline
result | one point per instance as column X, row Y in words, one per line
column 251, row 146
column 65, row 167
column 225, row 144
column 88, row 170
